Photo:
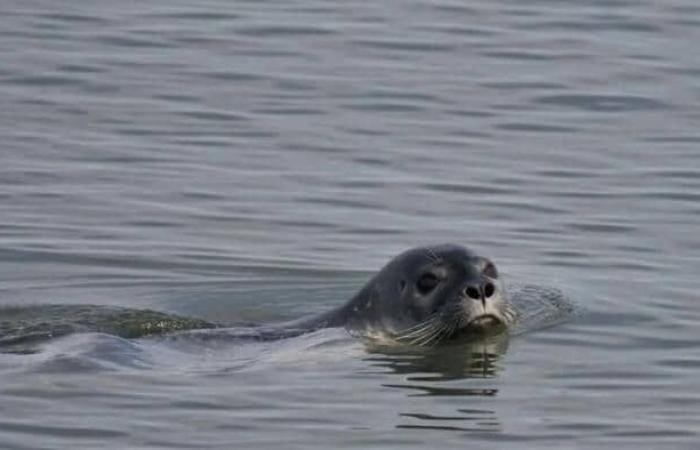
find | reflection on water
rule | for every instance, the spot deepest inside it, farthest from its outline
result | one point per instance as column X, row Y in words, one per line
column 466, row 420
column 451, row 361
column 446, row 371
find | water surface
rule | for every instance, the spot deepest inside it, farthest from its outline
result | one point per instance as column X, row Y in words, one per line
column 259, row 161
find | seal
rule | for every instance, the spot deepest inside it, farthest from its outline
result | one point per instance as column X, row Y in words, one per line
column 422, row 297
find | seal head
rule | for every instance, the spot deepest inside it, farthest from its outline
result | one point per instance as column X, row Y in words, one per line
column 431, row 294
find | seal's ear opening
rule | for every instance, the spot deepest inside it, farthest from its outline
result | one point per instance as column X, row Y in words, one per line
column 402, row 285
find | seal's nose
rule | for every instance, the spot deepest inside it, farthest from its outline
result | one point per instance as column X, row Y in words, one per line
column 480, row 291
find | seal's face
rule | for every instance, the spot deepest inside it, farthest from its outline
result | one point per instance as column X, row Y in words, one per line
column 428, row 295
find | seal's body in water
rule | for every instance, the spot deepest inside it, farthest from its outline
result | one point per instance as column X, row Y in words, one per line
column 423, row 296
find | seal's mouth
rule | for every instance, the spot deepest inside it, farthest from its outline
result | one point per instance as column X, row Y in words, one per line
column 484, row 321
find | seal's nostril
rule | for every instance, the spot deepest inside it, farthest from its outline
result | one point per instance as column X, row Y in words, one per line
column 473, row 292
column 489, row 290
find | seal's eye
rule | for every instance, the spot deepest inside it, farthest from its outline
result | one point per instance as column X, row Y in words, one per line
column 490, row 271
column 427, row 282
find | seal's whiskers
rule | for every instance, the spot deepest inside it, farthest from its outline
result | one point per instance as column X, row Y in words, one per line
column 430, row 337
column 422, row 331
column 434, row 329
column 419, row 327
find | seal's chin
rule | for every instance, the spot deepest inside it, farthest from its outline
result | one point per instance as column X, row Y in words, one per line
column 484, row 322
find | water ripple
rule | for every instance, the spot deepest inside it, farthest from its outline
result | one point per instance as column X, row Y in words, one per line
column 258, row 160
column 602, row 103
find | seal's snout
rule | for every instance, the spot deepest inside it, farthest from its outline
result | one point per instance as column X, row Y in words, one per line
column 482, row 291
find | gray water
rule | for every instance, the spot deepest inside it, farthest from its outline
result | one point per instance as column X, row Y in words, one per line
column 256, row 160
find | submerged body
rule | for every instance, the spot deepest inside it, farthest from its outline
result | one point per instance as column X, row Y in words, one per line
column 422, row 297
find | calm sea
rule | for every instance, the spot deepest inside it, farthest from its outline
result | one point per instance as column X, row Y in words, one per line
column 259, row 160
